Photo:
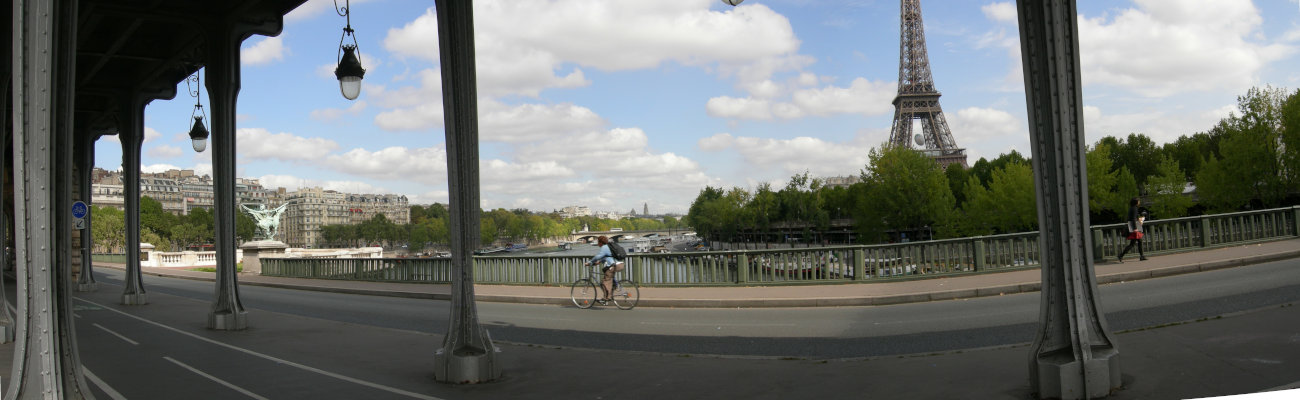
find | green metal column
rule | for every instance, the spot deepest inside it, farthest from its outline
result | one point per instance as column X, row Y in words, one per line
column 467, row 354
column 1073, row 356
column 742, row 268
column 46, row 363
column 859, row 264
column 1205, row 231
column 981, row 253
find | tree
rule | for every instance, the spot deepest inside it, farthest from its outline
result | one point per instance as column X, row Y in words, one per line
column 186, row 235
column 153, row 218
column 245, row 226
column 1007, row 205
column 1138, row 153
column 1126, row 188
column 1102, row 181
column 108, row 228
column 1165, row 190
column 1290, row 137
column 957, row 177
column 906, row 191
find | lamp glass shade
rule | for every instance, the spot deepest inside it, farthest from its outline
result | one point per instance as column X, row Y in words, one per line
column 350, row 86
column 199, row 134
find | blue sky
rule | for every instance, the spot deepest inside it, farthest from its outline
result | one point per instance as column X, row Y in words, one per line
column 615, row 104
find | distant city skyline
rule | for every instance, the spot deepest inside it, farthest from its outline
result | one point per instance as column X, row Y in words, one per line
column 618, row 104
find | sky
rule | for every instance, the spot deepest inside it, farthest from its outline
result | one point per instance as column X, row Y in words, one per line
column 619, row 104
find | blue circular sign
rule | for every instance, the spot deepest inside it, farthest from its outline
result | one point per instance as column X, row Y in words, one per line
column 79, row 210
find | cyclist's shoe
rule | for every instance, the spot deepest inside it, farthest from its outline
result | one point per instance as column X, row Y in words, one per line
column 603, row 302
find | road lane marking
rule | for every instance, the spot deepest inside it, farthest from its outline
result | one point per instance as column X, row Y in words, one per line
column 711, row 324
column 119, row 336
column 271, row 358
column 216, row 379
column 113, row 394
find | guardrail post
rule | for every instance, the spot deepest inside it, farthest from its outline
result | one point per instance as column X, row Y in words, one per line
column 859, row 264
column 1295, row 213
column 742, row 268
column 1205, row 231
column 980, row 253
column 1098, row 248
column 547, row 273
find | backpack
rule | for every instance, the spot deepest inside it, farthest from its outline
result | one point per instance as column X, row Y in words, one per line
column 617, row 251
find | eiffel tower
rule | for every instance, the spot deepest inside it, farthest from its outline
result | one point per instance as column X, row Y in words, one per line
column 917, row 99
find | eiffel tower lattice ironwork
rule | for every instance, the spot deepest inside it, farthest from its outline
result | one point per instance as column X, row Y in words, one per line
column 917, row 99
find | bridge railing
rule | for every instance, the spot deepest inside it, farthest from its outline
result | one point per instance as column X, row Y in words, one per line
column 819, row 265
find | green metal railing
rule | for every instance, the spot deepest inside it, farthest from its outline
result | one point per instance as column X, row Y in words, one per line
column 109, row 258
column 819, row 265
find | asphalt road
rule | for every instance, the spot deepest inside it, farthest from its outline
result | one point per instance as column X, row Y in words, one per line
column 832, row 332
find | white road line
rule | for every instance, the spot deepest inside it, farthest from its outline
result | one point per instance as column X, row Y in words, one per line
column 710, row 324
column 216, row 379
column 119, row 336
column 113, row 394
column 264, row 356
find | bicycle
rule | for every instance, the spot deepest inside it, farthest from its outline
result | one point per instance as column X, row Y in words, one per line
column 584, row 290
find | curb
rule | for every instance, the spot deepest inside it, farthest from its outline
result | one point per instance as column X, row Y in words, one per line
column 999, row 290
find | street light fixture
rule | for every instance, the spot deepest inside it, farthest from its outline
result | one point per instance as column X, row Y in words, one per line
column 198, row 132
column 732, row 2
column 349, row 69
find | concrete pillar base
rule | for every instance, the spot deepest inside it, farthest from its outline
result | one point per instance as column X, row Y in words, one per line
column 137, row 299
column 87, row 287
column 466, row 365
column 226, row 321
column 1061, row 376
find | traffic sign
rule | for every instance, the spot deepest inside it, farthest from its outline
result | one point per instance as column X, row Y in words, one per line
column 79, row 210
column 79, row 224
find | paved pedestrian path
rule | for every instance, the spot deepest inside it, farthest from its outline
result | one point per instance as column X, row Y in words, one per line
column 852, row 294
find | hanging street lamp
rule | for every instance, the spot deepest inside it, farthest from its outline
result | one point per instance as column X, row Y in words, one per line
column 198, row 132
column 349, row 69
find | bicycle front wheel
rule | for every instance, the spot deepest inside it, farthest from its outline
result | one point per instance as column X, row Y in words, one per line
column 583, row 293
column 627, row 295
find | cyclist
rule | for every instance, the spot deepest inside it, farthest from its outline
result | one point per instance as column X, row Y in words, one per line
column 611, row 267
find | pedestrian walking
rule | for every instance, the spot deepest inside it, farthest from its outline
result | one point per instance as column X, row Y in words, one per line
column 1134, row 230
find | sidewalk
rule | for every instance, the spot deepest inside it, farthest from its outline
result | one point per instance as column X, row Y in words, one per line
column 853, row 294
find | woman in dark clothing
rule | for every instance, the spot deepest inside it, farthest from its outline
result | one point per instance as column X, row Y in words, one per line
column 1134, row 230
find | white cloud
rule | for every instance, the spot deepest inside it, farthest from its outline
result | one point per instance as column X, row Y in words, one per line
column 292, row 183
column 422, row 117
column 150, row 134
column 532, row 122
column 426, row 165
column 266, row 51
column 523, row 47
column 331, row 114
column 716, row 142
column 860, row 97
column 164, row 151
column 793, row 156
column 156, row 168
column 1166, row 47
column 1160, row 126
column 1001, row 12
column 260, row 144
column 987, row 132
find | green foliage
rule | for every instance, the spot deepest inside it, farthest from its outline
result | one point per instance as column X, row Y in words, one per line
column 1137, row 153
column 1165, row 190
column 108, row 228
column 1125, row 189
column 1007, row 205
column 905, row 191
column 1102, row 180
column 957, row 179
column 159, row 243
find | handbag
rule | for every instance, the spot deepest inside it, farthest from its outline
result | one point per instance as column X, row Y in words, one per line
column 1135, row 235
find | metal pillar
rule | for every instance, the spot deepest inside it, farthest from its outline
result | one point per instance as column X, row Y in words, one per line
column 6, row 318
column 467, row 354
column 86, row 163
column 223, row 89
column 1073, row 355
column 45, row 361
column 132, row 137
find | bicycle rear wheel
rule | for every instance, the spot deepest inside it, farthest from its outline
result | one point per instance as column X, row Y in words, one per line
column 626, row 295
column 583, row 293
